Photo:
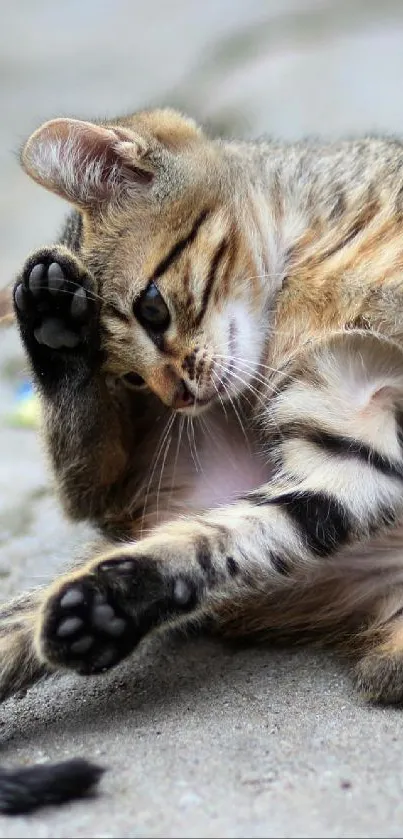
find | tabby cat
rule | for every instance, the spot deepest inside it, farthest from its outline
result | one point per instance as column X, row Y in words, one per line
column 217, row 342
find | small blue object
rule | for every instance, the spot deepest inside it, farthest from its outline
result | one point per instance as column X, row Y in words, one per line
column 24, row 391
column 26, row 410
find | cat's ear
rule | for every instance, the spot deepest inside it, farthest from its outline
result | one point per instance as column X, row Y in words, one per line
column 85, row 163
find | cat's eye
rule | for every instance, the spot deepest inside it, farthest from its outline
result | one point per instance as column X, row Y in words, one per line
column 133, row 380
column 151, row 310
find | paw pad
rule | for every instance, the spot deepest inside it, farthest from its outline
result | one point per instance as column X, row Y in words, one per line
column 97, row 619
column 87, row 630
column 56, row 302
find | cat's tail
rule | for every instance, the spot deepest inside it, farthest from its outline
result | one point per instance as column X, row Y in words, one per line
column 26, row 789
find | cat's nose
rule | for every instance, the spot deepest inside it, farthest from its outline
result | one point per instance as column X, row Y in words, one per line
column 183, row 398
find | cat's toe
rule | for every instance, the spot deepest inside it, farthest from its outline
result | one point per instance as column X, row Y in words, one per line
column 30, row 290
column 56, row 277
column 36, row 281
column 80, row 304
column 22, row 299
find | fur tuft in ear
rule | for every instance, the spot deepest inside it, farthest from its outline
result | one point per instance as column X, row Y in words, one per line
column 86, row 163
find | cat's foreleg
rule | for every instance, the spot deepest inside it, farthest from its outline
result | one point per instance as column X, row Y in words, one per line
column 57, row 310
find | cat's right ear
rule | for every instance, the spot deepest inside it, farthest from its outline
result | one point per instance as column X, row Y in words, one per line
column 85, row 163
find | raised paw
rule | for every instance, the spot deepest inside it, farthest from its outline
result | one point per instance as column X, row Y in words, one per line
column 96, row 619
column 54, row 301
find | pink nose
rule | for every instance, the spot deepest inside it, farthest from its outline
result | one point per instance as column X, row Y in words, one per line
column 183, row 397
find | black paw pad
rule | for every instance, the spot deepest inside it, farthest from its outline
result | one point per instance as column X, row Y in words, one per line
column 97, row 620
column 56, row 303
column 87, row 629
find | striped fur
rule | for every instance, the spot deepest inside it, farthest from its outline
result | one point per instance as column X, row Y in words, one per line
column 280, row 511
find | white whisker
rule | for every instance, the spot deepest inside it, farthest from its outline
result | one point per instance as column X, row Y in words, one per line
column 167, row 447
column 91, row 294
column 227, row 371
column 251, row 362
column 160, row 445
column 219, row 394
column 236, row 412
column 178, row 443
column 195, row 444
column 190, row 443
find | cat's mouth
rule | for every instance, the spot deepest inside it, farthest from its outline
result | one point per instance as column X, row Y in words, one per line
column 219, row 385
column 213, row 380
column 184, row 399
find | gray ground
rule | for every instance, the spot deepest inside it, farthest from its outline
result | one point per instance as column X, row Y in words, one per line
column 199, row 740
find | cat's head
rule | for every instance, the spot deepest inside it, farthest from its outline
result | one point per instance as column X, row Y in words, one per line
column 173, row 246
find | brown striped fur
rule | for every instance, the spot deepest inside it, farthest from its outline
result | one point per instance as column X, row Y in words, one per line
column 281, row 266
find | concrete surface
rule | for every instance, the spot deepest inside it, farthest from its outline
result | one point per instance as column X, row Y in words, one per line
column 200, row 740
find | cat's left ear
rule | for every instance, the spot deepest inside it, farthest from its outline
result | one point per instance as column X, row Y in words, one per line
column 87, row 164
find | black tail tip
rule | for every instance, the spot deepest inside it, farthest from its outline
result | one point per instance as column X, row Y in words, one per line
column 27, row 789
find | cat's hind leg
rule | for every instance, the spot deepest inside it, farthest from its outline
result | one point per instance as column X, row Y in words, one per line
column 20, row 666
column 379, row 672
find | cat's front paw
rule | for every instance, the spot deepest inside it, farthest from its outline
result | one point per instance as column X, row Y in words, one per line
column 86, row 628
column 93, row 620
column 55, row 302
